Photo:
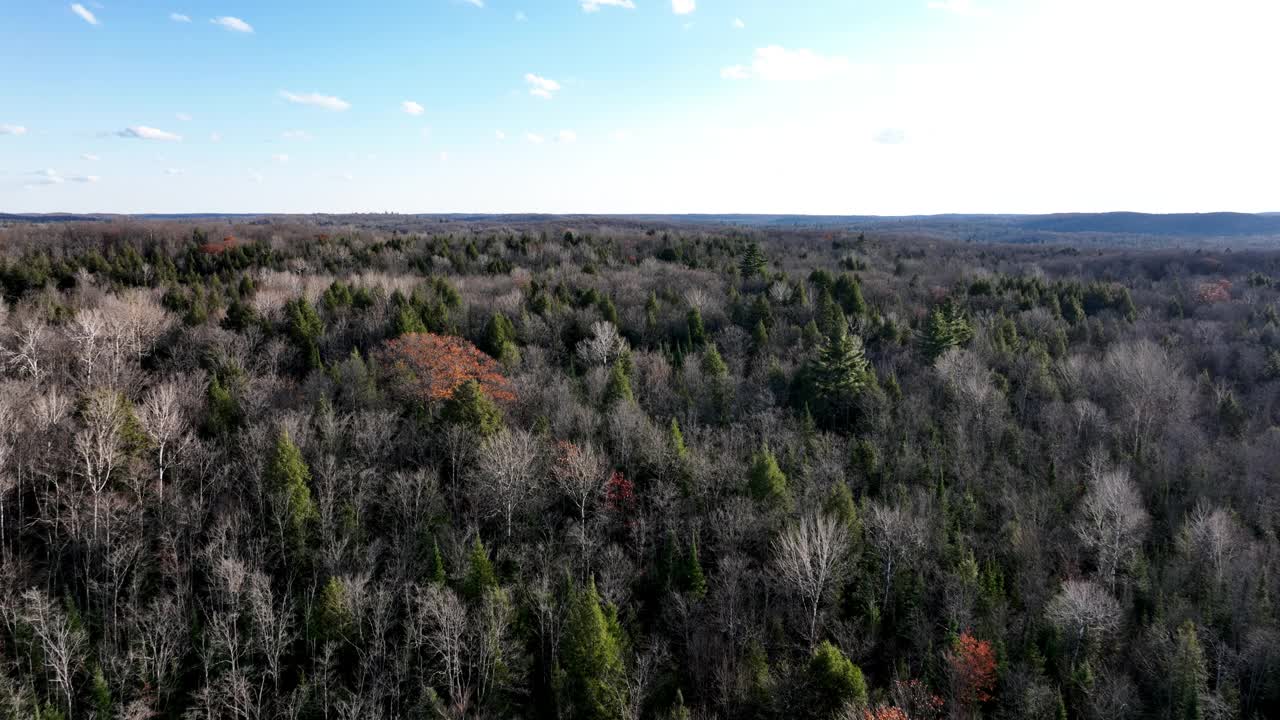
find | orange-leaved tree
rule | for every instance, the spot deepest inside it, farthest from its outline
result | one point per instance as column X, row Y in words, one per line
column 973, row 670
column 430, row 367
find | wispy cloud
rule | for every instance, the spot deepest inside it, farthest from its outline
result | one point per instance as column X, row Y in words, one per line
column 84, row 178
column 179, row 17
column 296, row 135
column 173, row 172
column 90, row 157
column 256, row 177
column 412, row 107
column 775, row 62
column 683, row 7
column 84, row 13
column 534, row 138
column 142, row 132
column 567, row 136
column 594, row 5
column 891, row 136
column 215, row 137
column 233, row 24
column 184, row 117
column 444, row 156
column 328, row 102
column 280, row 158
column 12, row 130
column 44, row 178
column 540, row 86
column 520, row 16
column 500, row 135
column 738, row 24
column 477, row 3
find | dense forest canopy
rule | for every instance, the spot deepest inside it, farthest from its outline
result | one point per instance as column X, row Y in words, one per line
column 603, row 469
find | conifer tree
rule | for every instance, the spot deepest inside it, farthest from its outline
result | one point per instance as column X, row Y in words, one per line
column 500, row 339
column 694, row 580
column 1189, row 676
column 438, row 574
column 470, row 407
column 224, row 411
column 712, row 364
column 480, row 577
column 677, row 441
column 591, row 660
column 753, row 262
column 287, row 473
column 619, row 387
column 835, row 681
column 768, row 484
column 697, row 333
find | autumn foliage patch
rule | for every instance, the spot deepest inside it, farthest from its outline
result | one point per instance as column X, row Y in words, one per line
column 973, row 669
column 430, row 367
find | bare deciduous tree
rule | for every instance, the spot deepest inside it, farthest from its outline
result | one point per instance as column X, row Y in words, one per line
column 603, row 347
column 1112, row 520
column 506, row 474
column 62, row 644
column 1084, row 612
column 808, row 558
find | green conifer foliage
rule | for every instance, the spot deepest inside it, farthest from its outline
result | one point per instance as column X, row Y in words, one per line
column 835, row 681
column 753, row 262
column 768, row 484
column 591, row 660
column 288, row 473
column 470, row 407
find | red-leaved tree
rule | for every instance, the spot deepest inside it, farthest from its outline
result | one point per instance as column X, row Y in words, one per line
column 973, row 670
column 430, row 367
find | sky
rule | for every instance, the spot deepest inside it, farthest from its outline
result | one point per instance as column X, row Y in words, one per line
column 883, row 107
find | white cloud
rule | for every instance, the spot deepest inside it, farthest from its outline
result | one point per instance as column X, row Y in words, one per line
column 233, row 24
column 621, row 135
column 184, row 117
column 738, row 24
column 215, row 137
column 53, row 177
column 477, row 3
column 12, row 130
column 444, row 156
column 280, row 158
column 84, row 178
column 426, row 132
column 84, row 13
column 142, row 132
column 500, row 135
column 347, row 177
column 296, row 135
column 594, row 5
column 540, row 86
column 179, row 17
column 891, row 136
column 683, row 7
column 256, row 177
column 90, row 157
column 520, row 16
column 775, row 62
column 173, row 172
column 328, row 102
column 567, row 136
column 534, row 138
column 958, row 7
column 412, row 107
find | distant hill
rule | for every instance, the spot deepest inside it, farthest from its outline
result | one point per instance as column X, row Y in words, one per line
column 1207, row 224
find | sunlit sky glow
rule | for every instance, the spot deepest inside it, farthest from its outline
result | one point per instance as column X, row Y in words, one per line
column 639, row 106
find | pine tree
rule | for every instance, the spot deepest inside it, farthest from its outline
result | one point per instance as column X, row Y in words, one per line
column 480, row 576
column 500, row 339
column 693, row 579
column 224, row 411
column 618, row 390
column 753, row 262
column 760, row 337
column 697, row 333
column 835, row 681
column 840, row 373
column 591, row 660
column 332, row 618
column 768, row 484
column 305, row 328
column 677, row 441
column 470, row 407
column 288, row 474
column 1189, row 676
column 712, row 364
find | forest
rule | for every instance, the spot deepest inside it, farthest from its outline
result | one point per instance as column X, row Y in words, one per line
column 585, row 469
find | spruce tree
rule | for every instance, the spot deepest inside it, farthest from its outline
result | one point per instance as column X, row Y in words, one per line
column 332, row 619
column 835, row 681
column 1189, row 676
column 480, row 577
column 591, row 660
column 677, row 441
column 618, row 390
column 753, row 262
column 713, row 365
column 768, row 484
column 224, row 411
column 693, row 579
column 697, row 333
column 500, row 339
column 287, row 473
column 470, row 407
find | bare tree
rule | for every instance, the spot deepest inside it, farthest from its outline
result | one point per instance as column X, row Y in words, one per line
column 27, row 345
column 506, row 474
column 580, row 474
column 1112, row 520
column 61, row 643
column 163, row 417
column 441, row 628
column 1214, row 538
column 99, row 445
column 1084, row 612
column 1147, row 387
column 603, row 347
column 808, row 559
column 897, row 535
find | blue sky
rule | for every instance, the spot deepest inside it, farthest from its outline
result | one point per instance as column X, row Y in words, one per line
column 822, row 106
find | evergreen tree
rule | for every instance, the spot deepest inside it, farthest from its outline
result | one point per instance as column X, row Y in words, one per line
column 480, row 576
column 830, row 318
column 768, row 484
column 1189, row 676
column 287, row 473
column 651, row 314
column 619, row 387
column 948, row 328
column 500, row 339
column 224, row 411
column 697, row 333
column 470, row 407
column 608, row 310
column 305, row 328
column 713, row 365
column 438, row 574
column 332, row 618
column 753, row 262
column 760, row 337
column 677, row 441
column 693, row 579
column 591, row 660
column 835, row 681
column 849, row 292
